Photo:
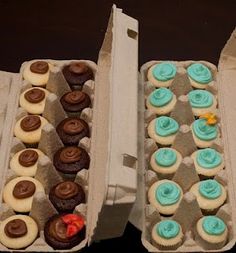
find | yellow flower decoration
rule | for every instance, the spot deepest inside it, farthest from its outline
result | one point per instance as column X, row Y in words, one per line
column 210, row 117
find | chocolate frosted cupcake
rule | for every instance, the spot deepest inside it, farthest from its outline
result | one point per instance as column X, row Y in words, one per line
column 76, row 74
column 64, row 231
column 18, row 231
column 28, row 129
column 37, row 73
column 74, row 102
column 66, row 196
column 33, row 100
column 70, row 160
column 72, row 130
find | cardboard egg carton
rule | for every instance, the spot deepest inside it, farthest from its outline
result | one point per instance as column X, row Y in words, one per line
column 144, row 216
column 110, row 182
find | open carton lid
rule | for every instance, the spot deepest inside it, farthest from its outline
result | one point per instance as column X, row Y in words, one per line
column 227, row 89
column 114, row 179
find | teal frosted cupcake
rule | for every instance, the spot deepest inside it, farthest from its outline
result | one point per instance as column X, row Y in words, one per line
column 202, row 102
column 208, row 162
column 204, row 134
column 162, row 74
column 161, row 101
column 167, row 234
column 211, row 232
column 200, row 75
column 210, row 195
column 165, row 195
column 165, row 161
column 163, row 130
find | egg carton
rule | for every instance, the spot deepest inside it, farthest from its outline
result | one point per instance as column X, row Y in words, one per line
column 144, row 215
column 110, row 182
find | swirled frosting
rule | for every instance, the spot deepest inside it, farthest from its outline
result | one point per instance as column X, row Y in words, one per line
column 199, row 73
column 30, row 123
column 208, row 158
column 210, row 189
column 164, row 71
column 168, row 229
column 66, row 190
column 160, row 97
column 39, row 67
column 73, row 126
column 75, row 97
column 70, row 154
column 165, row 157
column 15, row 228
column 34, row 95
column 204, row 131
column 167, row 193
column 28, row 158
column 213, row 225
column 165, row 126
column 200, row 98
column 24, row 189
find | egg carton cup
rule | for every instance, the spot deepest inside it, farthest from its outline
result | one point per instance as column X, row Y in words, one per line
column 188, row 212
column 42, row 209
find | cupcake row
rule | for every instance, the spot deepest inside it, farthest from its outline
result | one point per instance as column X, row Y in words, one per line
column 34, row 136
column 181, row 107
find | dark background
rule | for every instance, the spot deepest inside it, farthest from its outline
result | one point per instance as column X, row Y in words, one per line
column 176, row 30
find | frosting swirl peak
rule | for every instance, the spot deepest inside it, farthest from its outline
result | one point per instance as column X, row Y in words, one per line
column 39, row 67
column 164, row 71
column 24, row 189
column 15, row 228
column 28, row 157
column 73, row 126
column 165, row 126
column 165, row 157
column 167, row 193
column 66, row 190
column 213, row 225
column 78, row 68
column 199, row 73
column 160, row 97
column 74, row 97
column 208, row 158
column 210, row 189
column 200, row 98
column 204, row 131
column 70, row 154
column 34, row 95
column 168, row 229
column 30, row 123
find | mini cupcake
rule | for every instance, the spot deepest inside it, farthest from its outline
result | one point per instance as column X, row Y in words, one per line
column 70, row 160
column 210, row 195
column 33, row 100
column 28, row 129
column 74, row 102
column 162, row 74
column 163, row 130
column 165, row 195
column 211, row 232
column 208, row 162
column 204, row 133
column 76, row 74
column 167, row 235
column 64, row 231
column 24, row 162
column 66, row 196
column 202, row 102
column 37, row 73
column 72, row 130
column 18, row 231
column 200, row 75
column 19, row 193
column 165, row 161
column 161, row 101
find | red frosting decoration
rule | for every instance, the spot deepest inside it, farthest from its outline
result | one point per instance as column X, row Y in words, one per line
column 75, row 224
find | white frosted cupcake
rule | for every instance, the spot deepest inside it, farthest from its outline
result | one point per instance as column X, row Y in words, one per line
column 161, row 101
column 33, row 100
column 37, row 73
column 162, row 74
column 167, row 235
column 24, row 162
column 207, row 162
column 202, row 102
column 165, row 195
column 163, row 130
column 212, row 232
column 210, row 195
column 199, row 75
column 165, row 161
column 204, row 134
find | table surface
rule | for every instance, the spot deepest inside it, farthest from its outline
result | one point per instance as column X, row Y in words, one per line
column 168, row 30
